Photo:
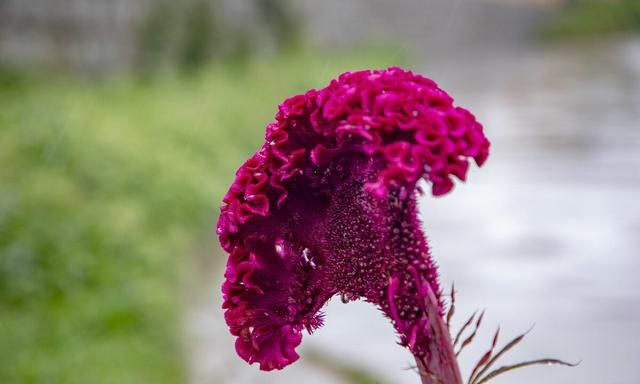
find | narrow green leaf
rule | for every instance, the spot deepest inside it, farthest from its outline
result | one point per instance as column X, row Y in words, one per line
column 508, row 368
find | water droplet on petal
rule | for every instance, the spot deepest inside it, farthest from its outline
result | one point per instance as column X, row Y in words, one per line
column 307, row 258
column 280, row 248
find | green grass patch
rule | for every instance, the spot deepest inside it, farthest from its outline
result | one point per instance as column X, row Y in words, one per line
column 594, row 18
column 106, row 190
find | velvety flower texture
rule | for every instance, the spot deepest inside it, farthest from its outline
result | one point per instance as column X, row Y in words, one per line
column 327, row 207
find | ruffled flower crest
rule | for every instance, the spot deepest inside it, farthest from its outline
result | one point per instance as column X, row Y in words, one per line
column 327, row 207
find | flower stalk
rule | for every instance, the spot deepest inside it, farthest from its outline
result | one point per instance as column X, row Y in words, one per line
column 443, row 367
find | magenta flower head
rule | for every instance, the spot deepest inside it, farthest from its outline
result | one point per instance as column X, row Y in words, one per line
column 327, row 207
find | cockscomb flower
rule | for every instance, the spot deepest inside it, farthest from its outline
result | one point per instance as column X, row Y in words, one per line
column 327, row 207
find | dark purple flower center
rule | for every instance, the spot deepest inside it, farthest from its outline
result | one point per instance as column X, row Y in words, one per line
column 328, row 206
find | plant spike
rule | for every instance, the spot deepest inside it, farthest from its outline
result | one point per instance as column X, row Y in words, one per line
column 452, row 306
column 515, row 341
column 485, row 358
column 469, row 339
column 464, row 326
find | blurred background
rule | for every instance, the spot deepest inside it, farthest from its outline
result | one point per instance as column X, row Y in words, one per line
column 122, row 123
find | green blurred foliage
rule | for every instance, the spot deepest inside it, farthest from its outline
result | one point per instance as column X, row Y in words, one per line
column 595, row 17
column 281, row 22
column 155, row 37
column 188, row 35
column 106, row 192
column 200, row 39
